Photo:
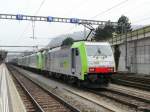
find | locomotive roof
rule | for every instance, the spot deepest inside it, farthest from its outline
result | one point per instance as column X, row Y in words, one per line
column 96, row 43
column 86, row 43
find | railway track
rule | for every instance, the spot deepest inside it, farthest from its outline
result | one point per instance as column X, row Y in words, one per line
column 140, row 103
column 38, row 99
column 86, row 98
column 134, row 78
column 131, row 84
column 28, row 102
column 133, row 81
column 103, row 108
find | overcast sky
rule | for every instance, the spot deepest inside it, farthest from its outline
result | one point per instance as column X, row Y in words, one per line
column 19, row 32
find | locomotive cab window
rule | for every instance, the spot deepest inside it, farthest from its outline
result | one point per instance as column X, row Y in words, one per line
column 99, row 50
column 77, row 52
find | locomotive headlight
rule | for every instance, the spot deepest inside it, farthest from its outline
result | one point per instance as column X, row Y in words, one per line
column 111, row 69
column 91, row 69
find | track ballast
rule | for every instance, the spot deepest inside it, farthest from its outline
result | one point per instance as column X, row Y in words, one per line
column 38, row 99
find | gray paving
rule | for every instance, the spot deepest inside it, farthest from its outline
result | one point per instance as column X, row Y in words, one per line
column 10, row 100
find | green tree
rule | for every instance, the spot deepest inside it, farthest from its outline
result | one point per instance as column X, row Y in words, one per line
column 104, row 33
column 123, row 25
column 68, row 41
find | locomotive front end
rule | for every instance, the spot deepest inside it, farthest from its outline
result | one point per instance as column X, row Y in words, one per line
column 101, row 63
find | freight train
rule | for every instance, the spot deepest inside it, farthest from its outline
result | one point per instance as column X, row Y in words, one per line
column 85, row 63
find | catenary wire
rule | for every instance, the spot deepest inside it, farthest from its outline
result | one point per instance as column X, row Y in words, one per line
column 107, row 10
column 141, row 20
column 37, row 11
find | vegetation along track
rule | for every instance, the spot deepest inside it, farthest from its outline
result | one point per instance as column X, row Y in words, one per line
column 41, row 100
column 132, row 81
column 141, row 104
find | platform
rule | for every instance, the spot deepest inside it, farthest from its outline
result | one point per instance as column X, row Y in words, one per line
column 10, row 100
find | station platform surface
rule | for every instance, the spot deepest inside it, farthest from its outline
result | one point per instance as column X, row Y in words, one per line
column 10, row 100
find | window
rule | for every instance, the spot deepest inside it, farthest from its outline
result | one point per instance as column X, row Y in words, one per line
column 99, row 50
column 77, row 52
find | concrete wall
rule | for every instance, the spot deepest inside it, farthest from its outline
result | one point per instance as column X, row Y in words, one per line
column 138, row 56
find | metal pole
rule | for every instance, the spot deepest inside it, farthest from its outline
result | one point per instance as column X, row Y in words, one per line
column 124, row 32
column 84, row 32
column 126, row 50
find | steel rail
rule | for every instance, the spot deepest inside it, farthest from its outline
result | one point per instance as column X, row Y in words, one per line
column 137, row 106
column 88, row 99
column 131, row 84
column 38, row 107
column 59, row 99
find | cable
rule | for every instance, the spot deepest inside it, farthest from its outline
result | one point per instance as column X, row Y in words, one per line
column 21, row 35
column 42, row 3
column 78, row 6
column 33, row 29
column 110, row 9
column 33, row 26
column 37, row 11
column 144, row 19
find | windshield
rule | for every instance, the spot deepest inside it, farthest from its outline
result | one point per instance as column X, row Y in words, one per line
column 99, row 50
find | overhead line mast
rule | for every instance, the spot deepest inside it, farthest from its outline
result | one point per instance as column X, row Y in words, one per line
column 86, row 23
column 17, row 46
column 54, row 19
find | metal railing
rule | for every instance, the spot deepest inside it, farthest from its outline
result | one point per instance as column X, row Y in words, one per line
column 133, row 35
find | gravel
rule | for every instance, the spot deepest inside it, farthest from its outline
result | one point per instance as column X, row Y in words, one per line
column 85, row 106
